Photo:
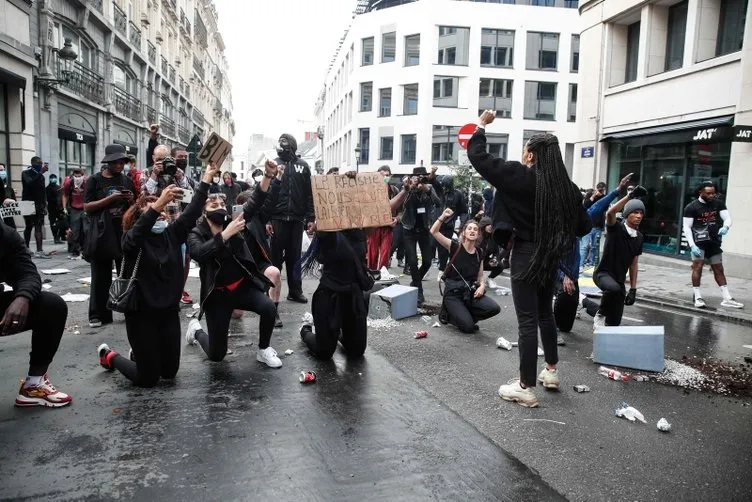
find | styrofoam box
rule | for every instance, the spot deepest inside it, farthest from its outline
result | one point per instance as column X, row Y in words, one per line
column 403, row 300
column 636, row 347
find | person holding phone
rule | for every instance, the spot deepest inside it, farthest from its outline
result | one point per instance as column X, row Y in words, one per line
column 230, row 278
column 108, row 195
column 154, row 330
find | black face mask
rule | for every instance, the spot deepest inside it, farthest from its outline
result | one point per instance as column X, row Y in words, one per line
column 219, row 217
column 182, row 163
column 285, row 152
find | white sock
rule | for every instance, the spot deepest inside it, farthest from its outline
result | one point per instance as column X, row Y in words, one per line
column 696, row 292
column 726, row 293
column 32, row 381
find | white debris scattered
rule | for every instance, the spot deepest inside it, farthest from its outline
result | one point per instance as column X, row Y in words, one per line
column 436, row 325
column 196, row 306
column 681, row 375
column 383, row 323
column 503, row 343
column 663, row 425
column 84, row 280
column 288, row 352
column 426, row 319
column 307, row 318
column 55, row 271
column 385, row 275
column 46, row 287
column 74, row 298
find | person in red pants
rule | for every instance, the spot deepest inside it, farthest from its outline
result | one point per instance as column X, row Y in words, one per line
column 380, row 239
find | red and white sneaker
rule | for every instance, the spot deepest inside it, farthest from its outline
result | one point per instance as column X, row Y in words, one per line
column 44, row 394
column 105, row 356
column 186, row 299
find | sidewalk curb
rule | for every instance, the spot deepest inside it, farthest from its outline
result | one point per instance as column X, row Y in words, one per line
column 662, row 301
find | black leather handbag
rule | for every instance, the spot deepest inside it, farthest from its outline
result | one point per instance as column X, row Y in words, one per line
column 122, row 297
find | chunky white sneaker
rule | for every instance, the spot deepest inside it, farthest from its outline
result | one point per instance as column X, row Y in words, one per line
column 190, row 335
column 549, row 378
column 580, row 306
column 269, row 357
column 699, row 302
column 732, row 304
column 514, row 392
column 599, row 321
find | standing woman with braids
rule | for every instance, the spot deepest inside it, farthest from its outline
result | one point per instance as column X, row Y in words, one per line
column 537, row 203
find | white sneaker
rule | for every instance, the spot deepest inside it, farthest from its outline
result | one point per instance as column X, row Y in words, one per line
column 580, row 306
column 514, row 392
column 95, row 323
column 599, row 321
column 699, row 302
column 549, row 378
column 269, row 357
column 732, row 304
column 540, row 352
column 190, row 335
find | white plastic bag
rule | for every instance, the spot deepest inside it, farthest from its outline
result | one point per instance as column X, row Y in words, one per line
column 306, row 243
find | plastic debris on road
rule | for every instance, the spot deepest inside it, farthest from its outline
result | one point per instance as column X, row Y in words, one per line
column 436, row 325
column 502, row 291
column 74, row 298
column 641, row 378
column 288, row 352
column 630, row 413
column 581, row 388
column 307, row 318
column 503, row 343
column 421, row 334
column 84, row 280
column 385, row 275
column 663, row 425
column 426, row 319
column 46, row 287
column 55, row 271
column 196, row 306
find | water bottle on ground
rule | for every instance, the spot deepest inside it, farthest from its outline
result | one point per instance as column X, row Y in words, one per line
column 613, row 374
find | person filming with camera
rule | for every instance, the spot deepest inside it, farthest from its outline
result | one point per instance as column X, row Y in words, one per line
column 465, row 301
column 162, row 171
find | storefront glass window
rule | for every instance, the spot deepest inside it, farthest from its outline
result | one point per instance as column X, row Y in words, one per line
column 74, row 155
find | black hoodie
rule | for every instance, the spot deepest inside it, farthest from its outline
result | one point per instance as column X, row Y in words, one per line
column 295, row 202
column 33, row 187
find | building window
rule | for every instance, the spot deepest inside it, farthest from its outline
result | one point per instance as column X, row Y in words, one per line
column 367, row 58
column 412, row 50
column 409, row 144
column 570, row 4
column 542, row 50
column 540, row 100
column 529, row 133
column 445, row 91
column 574, row 65
column 365, row 144
column 454, row 45
column 385, row 102
column 572, row 110
column 543, row 3
column 386, row 149
column 497, row 48
column 75, row 155
column 410, row 102
column 86, row 55
column 633, row 49
column 121, row 79
column 388, row 47
column 731, row 26
column 495, row 94
column 496, row 144
column 677, row 27
column 444, row 144
column 366, row 96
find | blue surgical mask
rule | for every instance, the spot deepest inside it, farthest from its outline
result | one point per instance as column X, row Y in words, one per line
column 159, row 227
column 53, row 181
column 3, row 175
column 126, row 169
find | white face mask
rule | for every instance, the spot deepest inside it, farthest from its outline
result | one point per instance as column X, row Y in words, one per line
column 216, row 179
column 78, row 181
column 258, row 178
column 159, row 227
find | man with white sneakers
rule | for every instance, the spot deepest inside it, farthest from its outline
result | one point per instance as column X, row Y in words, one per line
column 706, row 220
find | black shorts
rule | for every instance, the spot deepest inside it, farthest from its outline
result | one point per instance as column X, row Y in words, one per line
column 711, row 253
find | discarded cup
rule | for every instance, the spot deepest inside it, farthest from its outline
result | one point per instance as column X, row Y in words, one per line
column 663, row 425
column 581, row 388
column 630, row 413
column 503, row 343
column 307, row 377
column 421, row 334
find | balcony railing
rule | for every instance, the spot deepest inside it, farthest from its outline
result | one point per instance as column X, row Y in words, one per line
column 151, row 115
column 83, row 81
column 171, row 78
column 126, row 104
column 184, row 135
column 134, row 35
column 164, row 66
column 198, row 117
column 152, row 51
column 167, row 125
column 97, row 5
column 199, row 30
column 198, row 68
column 121, row 21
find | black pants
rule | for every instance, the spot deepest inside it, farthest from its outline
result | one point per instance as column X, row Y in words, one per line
column 46, row 320
column 565, row 307
column 101, row 280
column 218, row 309
column 58, row 224
column 77, row 231
column 398, row 243
column 336, row 319
column 286, row 247
column 532, row 304
column 35, row 223
column 447, row 232
column 10, row 222
column 154, row 336
column 465, row 317
column 612, row 301
column 423, row 239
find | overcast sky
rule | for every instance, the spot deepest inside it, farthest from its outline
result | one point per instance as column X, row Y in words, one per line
column 278, row 52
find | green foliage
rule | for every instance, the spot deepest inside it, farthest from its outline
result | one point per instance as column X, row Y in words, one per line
column 464, row 176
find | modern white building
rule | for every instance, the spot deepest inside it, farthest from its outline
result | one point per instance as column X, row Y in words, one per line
column 668, row 96
column 409, row 74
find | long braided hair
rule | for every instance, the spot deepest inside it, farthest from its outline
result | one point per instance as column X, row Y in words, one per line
column 556, row 210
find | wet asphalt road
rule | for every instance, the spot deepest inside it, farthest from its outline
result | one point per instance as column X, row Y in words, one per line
column 413, row 420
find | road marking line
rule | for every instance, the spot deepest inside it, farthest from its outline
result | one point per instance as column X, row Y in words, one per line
column 542, row 420
column 632, row 319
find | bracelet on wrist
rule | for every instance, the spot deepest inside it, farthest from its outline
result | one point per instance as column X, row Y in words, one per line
column 270, row 176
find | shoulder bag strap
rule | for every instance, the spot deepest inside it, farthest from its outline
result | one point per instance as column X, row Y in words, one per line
column 135, row 268
column 451, row 261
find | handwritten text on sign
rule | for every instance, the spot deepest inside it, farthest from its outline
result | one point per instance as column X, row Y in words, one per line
column 341, row 202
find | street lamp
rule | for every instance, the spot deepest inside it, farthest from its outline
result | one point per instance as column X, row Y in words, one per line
column 320, row 134
column 357, row 157
column 67, row 55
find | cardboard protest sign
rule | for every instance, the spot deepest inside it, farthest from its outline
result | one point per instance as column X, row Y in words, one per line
column 216, row 149
column 341, row 202
column 21, row 208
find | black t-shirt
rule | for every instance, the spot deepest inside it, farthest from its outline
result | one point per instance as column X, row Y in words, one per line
column 619, row 251
column 98, row 187
column 231, row 271
column 518, row 192
column 706, row 214
column 467, row 264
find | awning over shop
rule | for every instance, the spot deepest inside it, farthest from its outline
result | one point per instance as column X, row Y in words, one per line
column 715, row 130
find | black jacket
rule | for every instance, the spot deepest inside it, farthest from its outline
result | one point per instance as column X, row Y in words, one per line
column 33, row 186
column 210, row 251
column 159, row 279
column 255, row 229
column 414, row 200
column 16, row 268
column 343, row 258
column 295, row 201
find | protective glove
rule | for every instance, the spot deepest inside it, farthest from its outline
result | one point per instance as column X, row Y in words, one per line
column 638, row 192
column 696, row 251
column 723, row 231
column 631, row 296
